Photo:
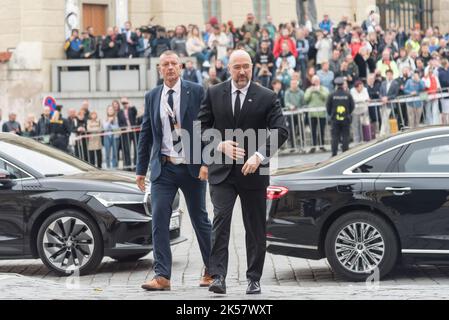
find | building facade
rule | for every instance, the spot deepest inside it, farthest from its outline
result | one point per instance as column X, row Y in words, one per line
column 36, row 29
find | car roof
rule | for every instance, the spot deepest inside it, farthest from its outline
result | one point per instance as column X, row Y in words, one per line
column 360, row 152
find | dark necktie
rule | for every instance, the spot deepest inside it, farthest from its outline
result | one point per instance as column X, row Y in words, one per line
column 177, row 145
column 237, row 107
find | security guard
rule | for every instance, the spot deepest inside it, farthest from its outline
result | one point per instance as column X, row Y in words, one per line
column 340, row 106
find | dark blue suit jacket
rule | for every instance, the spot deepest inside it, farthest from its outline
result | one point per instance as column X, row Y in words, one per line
column 150, row 138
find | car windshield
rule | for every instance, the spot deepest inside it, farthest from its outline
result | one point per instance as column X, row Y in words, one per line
column 43, row 159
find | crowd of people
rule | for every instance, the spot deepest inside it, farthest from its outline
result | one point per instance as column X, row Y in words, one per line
column 84, row 133
column 300, row 63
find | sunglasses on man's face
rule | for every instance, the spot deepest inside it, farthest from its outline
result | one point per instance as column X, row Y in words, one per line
column 124, row 102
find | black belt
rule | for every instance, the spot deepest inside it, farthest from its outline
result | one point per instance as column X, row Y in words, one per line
column 166, row 159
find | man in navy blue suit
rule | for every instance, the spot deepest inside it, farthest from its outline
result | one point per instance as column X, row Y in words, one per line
column 170, row 110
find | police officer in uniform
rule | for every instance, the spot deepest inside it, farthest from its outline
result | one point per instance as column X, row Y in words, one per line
column 340, row 106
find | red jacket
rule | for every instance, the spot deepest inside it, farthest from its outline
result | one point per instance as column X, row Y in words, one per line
column 278, row 46
column 355, row 48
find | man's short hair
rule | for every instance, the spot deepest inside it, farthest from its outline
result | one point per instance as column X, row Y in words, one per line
column 274, row 82
column 170, row 53
column 389, row 71
column 358, row 83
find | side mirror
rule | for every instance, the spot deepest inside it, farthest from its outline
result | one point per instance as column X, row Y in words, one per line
column 4, row 175
column 6, row 181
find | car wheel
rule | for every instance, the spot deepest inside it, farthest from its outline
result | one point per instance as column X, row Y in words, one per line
column 131, row 257
column 360, row 244
column 69, row 242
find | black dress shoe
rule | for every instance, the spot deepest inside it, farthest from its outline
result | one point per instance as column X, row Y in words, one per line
column 253, row 287
column 218, row 285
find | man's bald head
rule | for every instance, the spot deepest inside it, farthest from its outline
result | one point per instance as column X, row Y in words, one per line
column 239, row 55
column 240, row 68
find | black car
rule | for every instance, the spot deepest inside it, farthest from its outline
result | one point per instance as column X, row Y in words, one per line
column 367, row 209
column 68, row 213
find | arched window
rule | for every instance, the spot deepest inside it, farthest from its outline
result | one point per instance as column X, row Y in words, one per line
column 212, row 8
column 261, row 10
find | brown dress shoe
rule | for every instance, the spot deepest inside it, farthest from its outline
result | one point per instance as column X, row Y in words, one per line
column 206, row 280
column 157, row 284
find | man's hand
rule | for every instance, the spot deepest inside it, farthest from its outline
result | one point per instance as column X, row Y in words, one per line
column 230, row 148
column 251, row 165
column 140, row 180
column 204, row 173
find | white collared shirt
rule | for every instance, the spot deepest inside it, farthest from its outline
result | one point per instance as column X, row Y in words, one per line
column 388, row 85
column 167, row 148
column 243, row 93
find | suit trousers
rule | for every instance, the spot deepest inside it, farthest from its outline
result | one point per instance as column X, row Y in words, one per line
column 254, row 205
column 163, row 192
column 340, row 132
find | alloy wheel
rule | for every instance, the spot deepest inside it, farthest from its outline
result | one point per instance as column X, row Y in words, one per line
column 68, row 244
column 359, row 247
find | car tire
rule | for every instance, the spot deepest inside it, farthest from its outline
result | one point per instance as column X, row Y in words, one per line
column 130, row 257
column 70, row 242
column 376, row 254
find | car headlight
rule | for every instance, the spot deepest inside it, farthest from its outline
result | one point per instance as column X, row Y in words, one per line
column 109, row 199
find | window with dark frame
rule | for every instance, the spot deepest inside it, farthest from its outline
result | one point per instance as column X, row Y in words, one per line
column 261, row 10
column 406, row 13
column 212, row 8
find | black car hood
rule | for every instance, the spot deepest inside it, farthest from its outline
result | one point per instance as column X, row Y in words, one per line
column 100, row 181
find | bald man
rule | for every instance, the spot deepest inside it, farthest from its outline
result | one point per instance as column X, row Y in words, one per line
column 236, row 171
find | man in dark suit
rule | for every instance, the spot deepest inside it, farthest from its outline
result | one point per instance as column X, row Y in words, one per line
column 389, row 90
column 170, row 111
column 232, row 105
column 127, row 121
column 128, row 42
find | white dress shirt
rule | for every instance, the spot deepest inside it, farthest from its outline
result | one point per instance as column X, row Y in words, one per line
column 388, row 85
column 167, row 148
column 243, row 93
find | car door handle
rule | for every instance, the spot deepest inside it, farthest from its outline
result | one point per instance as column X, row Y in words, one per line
column 398, row 191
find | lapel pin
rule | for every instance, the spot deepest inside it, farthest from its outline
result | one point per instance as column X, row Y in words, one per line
column 250, row 100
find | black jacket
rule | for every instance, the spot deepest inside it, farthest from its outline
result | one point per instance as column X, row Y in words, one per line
column 443, row 76
column 160, row 45
column 127, row 49
column 340, row 98
column 132, row 114
column 108, row 52
column 261, row 110
column 43, row 126
column 364, row 66
column 59, row 134
column 374, row 91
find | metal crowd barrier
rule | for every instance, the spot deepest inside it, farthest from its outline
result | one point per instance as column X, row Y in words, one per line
column 303, row 127
column 118, row 149
column 306, row 132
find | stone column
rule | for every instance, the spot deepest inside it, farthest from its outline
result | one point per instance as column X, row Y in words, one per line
column 121, row 10
column 440, row 14
column 72, row 16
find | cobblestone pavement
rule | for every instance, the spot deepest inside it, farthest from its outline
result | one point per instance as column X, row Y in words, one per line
column 284, row 277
